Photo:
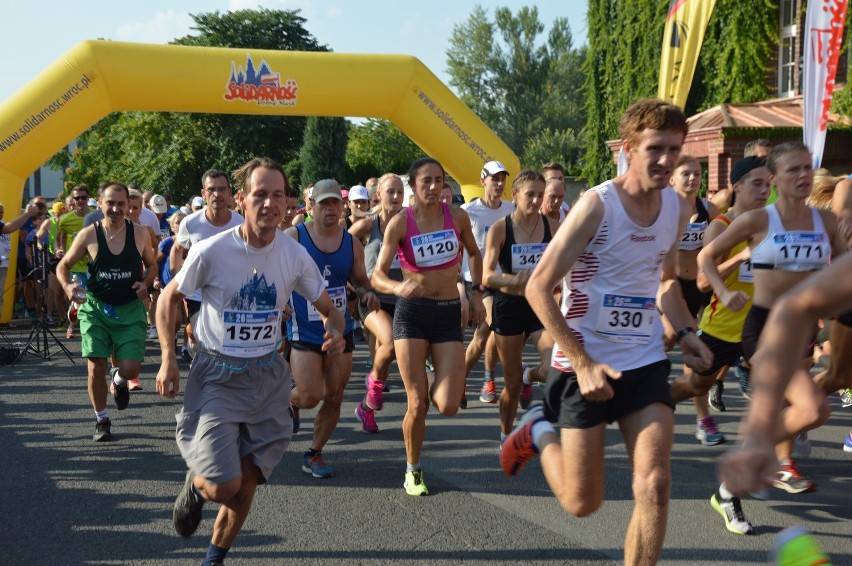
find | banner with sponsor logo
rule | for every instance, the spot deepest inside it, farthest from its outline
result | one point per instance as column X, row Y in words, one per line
column 686, row 22
column 823, row 40
column 99, row 77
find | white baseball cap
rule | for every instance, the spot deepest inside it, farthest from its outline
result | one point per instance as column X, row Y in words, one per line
column 359, row 192
column 158, row 204
column 492, row 168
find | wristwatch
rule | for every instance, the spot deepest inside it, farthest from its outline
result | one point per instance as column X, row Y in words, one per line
column 684, row 331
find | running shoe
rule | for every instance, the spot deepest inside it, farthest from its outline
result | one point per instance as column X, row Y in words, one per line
column 845, row 398
column 518, row 447
column 294, row 414
column 134, row 384
column 186, row 514
column 102, row 431
column 414, row 483
column 790, row 480
column 802, row 445
column 716, row 391
column 489, row 392
column 152, row 331
column 315, row 466
column 744, row 377
column 847, row 445
column 184, row 355
column 69, row 332
column 375, row 400
column 794, row 546
column 463, row 402
column 526, row 389
column 368, row 419
column 120, row 393
column 732, row 511
column 708, row 433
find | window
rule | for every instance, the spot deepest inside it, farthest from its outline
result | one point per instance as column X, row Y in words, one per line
column 788, row 62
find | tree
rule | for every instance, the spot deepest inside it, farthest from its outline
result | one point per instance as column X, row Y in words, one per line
column 377, row 147
column 515, row 82
column 170, row 151
column 323, row 154
column 623, row 61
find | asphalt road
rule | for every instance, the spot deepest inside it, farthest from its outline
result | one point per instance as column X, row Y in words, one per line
column 68, row 500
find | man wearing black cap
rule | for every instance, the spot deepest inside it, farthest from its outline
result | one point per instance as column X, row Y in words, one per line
column 483, row 213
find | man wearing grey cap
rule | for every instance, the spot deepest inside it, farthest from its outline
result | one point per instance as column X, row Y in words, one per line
column 319, row 376
column 483, row 213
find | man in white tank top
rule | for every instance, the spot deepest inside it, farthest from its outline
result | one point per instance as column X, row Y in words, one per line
column 614, row 256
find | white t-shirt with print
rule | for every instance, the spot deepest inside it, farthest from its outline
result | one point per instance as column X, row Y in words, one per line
column 244, row 289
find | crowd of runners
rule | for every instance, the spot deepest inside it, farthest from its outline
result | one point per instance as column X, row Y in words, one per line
column 268, row 302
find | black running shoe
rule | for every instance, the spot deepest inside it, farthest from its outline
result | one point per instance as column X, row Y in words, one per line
column 102, row 432
column 716, row 402
column 120, row 393
column 186, row 515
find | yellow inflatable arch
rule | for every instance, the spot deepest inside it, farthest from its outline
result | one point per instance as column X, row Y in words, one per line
column 98, row 77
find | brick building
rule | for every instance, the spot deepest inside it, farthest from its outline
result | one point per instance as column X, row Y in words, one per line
column 717, row 136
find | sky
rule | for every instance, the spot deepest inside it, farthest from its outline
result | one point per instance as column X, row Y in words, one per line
column 38, row 32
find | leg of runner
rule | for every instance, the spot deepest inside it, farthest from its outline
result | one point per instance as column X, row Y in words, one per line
column 648, row 437
column 510, row 349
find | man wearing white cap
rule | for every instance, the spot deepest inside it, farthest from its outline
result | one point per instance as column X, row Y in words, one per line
column 484, row 212
column 160, row 207
column 359, row 205
column 196, row 204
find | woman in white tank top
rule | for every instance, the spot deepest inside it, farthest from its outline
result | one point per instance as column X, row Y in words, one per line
column 788, row 241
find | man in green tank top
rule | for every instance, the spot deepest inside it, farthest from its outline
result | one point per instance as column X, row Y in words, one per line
column 112, row 317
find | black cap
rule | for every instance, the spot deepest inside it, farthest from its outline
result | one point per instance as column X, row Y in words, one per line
column 745, row 166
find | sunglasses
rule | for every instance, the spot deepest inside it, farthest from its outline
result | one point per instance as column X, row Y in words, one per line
column 81, row 198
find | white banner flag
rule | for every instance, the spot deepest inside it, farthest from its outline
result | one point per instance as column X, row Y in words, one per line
column 823, row 40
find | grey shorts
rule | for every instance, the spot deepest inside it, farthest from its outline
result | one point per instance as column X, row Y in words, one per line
column 234, row 408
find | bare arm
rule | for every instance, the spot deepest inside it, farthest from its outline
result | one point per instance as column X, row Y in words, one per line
column 143, row 244
column 361, row 229
column 14, row 225
column 168, row 378
column 358, row 278
column 333, row 322
column 394, row 233
column 726, row 267
column 740, row 230
column 474, row 262
column 575, row 233
column 778, row 357
column 78, row 250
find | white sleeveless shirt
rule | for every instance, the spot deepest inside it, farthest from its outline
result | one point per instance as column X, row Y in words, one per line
column 609, row 295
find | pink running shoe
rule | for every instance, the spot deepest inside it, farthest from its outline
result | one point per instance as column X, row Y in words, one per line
column 367, row 418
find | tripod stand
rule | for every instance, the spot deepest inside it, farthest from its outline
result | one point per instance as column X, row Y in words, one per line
column 38, row 343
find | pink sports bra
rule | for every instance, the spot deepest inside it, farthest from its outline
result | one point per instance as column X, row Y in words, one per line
column 428, row 252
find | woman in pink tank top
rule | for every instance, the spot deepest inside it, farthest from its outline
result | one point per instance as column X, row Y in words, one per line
column 429, row 236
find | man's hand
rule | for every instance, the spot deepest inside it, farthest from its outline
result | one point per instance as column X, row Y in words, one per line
column 696, row 355
column 168, row 379
column 749, row 469
column 592, row 378
column 334, row 342
column 141, row 289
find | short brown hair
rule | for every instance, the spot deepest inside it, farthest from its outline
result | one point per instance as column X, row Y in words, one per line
column 686, row 158
column 525, row 176
column 243, row 174
column 651, row 114
column 552, row 166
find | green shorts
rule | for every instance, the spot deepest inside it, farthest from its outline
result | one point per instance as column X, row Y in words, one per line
column 105, row 328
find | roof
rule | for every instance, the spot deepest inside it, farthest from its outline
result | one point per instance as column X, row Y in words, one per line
column 777, row 113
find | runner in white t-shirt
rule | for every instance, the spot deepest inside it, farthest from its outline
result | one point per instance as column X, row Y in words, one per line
column 233, row 428
column 214, row 218
column 485, row 212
